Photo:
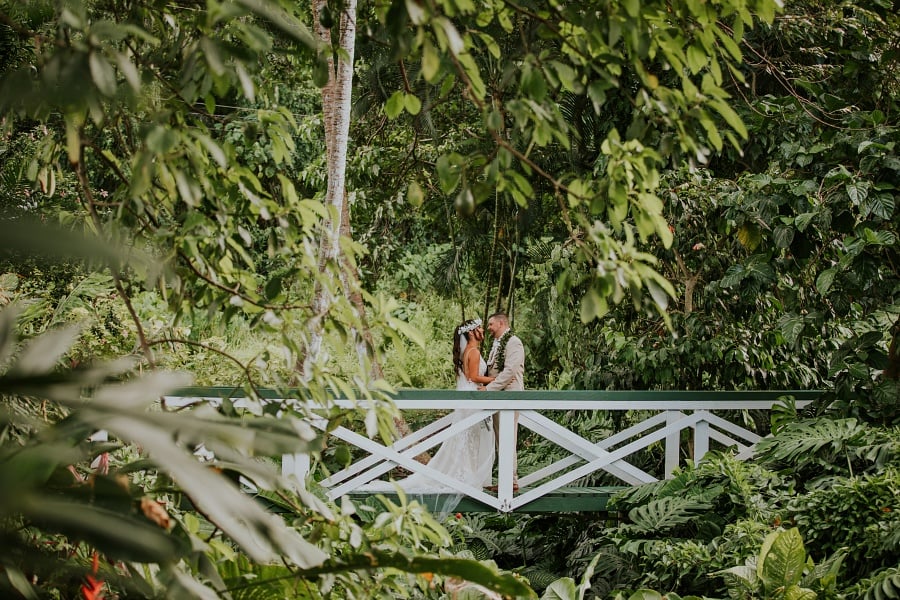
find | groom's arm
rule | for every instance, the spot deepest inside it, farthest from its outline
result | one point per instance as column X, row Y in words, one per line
column 513, row 363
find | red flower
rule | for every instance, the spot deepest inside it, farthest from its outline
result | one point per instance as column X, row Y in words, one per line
column 93, row 589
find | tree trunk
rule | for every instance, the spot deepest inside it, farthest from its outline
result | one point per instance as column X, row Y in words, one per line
column 336, row 103
column 336, row 118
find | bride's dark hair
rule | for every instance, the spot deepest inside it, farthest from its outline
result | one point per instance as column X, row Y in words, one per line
column 463, row 329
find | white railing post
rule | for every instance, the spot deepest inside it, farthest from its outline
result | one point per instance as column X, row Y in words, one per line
column 673, row 443
column 296, row 465
column 506, row 455
column 701, row 439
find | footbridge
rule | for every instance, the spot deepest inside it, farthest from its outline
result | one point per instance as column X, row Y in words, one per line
column 677, row 424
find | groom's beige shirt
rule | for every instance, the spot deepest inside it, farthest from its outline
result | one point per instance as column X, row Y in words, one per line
column 512, row 377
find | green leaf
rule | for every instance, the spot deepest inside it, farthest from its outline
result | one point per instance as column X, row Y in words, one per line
column 431, row 62
column 412, row 104
column 161, row 139
column 504, row 584
column 321, row 73
column 533, row 84
column 805, row 439
column 825, row 280
column 733, row 276
column 121, row 536
column 795, row 592
column 662, row 514
column 129, row 71
column 696, row 58
column 561, row 589
column 857, row 191
column 633, row 8
column 394, row 105
column 263, row 536
column 490, row 43
column 19, row 582
column 803, row 220
column 880, row 205
column 273, row 288
column 593, row 306
column 42, row 354
column 282, row 19
column 783, row 236
column 448, row 168
column 646, row 595
column 730, row 117
column 882, row 237
column 103, row 74
column 791, row 326
column 782, row 563
column 494, row 120
column 415, row 195
column 8, row 337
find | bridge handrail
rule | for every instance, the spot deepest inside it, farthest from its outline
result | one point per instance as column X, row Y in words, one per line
column 587, row 456
column 563, row 399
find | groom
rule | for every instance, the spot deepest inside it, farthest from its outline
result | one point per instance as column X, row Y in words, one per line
column 506, row 364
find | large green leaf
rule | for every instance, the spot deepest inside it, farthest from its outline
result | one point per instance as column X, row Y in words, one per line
column 662, row 514
column 505, row 584
column 802, row 441
column 561, row 589
column 263, row 536
column 121, row 536
column 782, row 559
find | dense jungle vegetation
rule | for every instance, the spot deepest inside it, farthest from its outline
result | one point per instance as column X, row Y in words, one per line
column 664, row 195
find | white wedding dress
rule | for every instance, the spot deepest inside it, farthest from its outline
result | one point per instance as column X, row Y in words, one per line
column 467, row 457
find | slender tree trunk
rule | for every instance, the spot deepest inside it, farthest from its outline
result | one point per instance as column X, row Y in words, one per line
column 336, row 118
column 336, row 103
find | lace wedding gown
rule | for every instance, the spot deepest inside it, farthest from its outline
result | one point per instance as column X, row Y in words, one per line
column 467, row 457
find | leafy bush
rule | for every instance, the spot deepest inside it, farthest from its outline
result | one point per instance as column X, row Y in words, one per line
column 852, row 514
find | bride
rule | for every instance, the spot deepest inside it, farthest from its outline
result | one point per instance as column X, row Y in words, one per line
column 467, row 457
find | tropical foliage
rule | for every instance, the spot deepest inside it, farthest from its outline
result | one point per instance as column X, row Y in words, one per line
column 664, row 195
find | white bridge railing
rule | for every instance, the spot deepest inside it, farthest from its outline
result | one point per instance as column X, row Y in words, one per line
column 665, row 415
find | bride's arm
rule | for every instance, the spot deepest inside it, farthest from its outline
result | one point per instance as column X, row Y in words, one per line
column 471, row 367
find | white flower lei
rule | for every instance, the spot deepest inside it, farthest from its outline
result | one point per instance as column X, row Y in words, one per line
column 500, row 360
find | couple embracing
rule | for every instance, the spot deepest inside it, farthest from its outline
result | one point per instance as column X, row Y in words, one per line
column 468, row 457
column 504, row 370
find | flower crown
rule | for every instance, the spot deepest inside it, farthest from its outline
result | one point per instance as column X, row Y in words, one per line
column 469, row 326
